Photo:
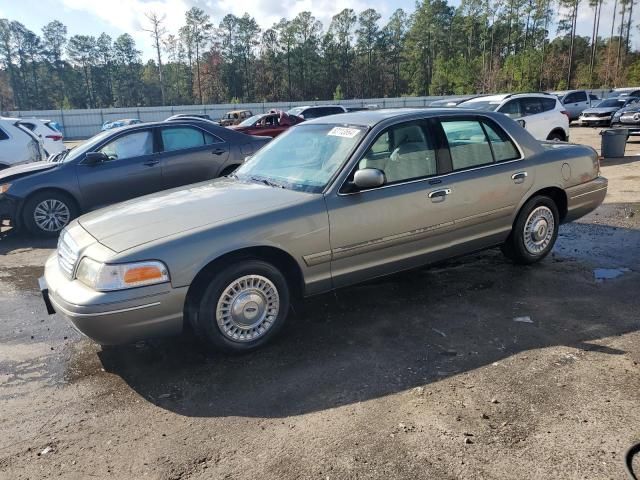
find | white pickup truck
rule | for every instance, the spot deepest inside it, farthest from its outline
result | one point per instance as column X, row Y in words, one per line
column 576, row 101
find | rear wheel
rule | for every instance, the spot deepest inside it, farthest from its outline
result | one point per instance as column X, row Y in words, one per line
column 534, row 232
column 47, row 213
column 557, row 136
column 243, row 307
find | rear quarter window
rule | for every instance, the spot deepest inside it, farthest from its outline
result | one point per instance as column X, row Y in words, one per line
column 548, row 104
column 3, row 135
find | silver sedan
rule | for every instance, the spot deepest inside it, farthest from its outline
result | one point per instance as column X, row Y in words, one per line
column 333, row 201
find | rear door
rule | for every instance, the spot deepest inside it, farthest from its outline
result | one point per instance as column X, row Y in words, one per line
column 190, row 155
column 133, row 170
column 486, row 181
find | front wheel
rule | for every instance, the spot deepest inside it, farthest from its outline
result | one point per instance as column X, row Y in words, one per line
column 534, row 232
column 47, row 213
column 243, row 307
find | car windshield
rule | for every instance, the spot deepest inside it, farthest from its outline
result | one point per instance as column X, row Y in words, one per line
column 295, row 111
column 611, row 102
column 250, row 121
column 489, row 105
column 304, row 159
column 86, row 146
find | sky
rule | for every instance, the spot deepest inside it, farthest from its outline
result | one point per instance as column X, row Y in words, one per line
column 115, row 17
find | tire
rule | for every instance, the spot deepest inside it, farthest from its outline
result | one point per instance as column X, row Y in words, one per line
column 250, row 288
column 62, row 210
column 557, row 136
column 533, row 235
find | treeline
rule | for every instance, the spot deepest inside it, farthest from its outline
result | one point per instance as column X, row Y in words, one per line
column 480, row 46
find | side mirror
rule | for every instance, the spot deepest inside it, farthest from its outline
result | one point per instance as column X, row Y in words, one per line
column 93, row 158
column 368, row 178
column 522, row 123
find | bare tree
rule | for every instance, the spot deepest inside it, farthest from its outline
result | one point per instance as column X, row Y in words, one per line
column 157, row 32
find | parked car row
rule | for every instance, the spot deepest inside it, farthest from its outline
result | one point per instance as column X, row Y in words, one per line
column 334, row 201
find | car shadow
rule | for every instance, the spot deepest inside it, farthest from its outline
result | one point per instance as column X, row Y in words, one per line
column 12, row 240
column 392, row 335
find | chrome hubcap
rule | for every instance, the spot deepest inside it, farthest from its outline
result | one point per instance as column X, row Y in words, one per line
column 538, row 230
column 247, row 308
column 51, row 215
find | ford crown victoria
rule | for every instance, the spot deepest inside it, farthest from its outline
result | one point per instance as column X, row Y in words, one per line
column 333, row 201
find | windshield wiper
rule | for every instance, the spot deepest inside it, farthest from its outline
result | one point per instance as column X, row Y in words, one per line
column 267, row 182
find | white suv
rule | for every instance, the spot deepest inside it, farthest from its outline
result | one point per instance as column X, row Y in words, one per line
column 17, row 144
column 46, row 130
column 540, row 114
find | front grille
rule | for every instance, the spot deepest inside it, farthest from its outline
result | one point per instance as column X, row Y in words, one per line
column 67, row 254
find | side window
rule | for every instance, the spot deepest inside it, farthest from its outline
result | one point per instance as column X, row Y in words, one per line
column 311, row 113
column 132, row 145
column 511, row 109
column 548, row 104
column 3, row 135
column 503, row 147
column 403, row 152
column 184, row 137
column 468, row 144
column 28, row 125
column 531, row 106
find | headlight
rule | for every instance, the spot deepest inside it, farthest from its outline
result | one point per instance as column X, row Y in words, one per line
column 104, row 277
column 617, row 115
column 4, row 187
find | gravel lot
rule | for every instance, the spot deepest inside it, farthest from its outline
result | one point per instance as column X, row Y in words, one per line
column 471, row 369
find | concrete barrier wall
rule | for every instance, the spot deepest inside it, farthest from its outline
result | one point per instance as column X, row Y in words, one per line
column 80, row 124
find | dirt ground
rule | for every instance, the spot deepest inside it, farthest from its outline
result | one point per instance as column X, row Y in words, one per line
column 471, row 369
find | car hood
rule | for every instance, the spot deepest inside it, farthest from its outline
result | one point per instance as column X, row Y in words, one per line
column 630, row 109
column 601, row 110
column 25, row 169
column 146, row 219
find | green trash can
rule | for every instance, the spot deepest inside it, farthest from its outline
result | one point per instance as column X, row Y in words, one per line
column 613, row 142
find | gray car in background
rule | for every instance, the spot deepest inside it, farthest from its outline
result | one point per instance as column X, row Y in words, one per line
column 118, row 165
column 331, row 202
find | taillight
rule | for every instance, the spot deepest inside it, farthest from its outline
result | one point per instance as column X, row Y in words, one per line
column 55, row 138
column 564, row 112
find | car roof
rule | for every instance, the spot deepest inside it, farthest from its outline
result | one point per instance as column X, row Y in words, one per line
column 370, row 118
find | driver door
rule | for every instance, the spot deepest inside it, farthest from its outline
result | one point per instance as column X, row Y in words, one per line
column 133, row 170
column 405, row 222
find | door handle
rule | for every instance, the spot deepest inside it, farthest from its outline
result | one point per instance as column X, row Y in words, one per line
column 151, row 163
column 519, row 177
column 218, row 151
column 440, row 193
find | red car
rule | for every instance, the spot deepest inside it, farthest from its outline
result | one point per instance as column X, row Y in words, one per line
column 269, row 124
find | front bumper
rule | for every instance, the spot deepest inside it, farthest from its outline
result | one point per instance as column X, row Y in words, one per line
column 586, row 197
column 8, row 210
column 112, row 318
column 594, row 120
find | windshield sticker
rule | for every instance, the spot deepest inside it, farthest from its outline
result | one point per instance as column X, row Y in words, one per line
column 343, row 132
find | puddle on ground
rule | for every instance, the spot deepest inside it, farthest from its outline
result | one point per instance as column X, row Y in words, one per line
column 22, row 278
column 602, row 274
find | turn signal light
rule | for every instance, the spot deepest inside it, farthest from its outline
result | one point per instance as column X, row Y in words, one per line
column 142, row 275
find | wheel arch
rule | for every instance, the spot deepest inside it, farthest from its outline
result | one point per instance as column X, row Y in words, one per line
column 557, row 194
column 559, row 131
column 48, row 189
column 273, row 255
